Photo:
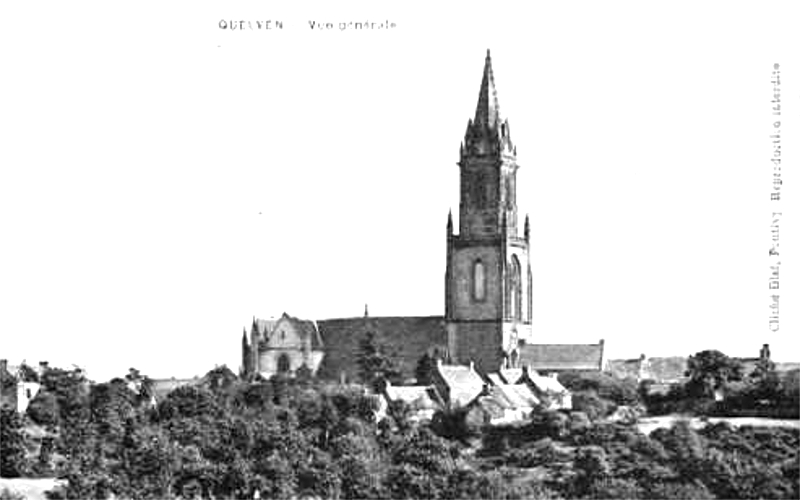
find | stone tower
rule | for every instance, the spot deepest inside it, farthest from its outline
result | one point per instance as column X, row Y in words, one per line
column 488, row 276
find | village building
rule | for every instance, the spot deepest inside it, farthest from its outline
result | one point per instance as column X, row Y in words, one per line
column 458, row 385
column 500, row 404
column 547, row 389
column 421, row 401
column 19, row 384
column 661, row 373
column 664, row 373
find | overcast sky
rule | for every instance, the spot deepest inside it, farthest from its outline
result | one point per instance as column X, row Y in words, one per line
column 165, row 180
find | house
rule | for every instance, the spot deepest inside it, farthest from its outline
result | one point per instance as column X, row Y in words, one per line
column 458, row 385
column 502, row 404
column 422, row 401
column 19, row 384
column 546, row 388
column 553, row 395
column 662, row 373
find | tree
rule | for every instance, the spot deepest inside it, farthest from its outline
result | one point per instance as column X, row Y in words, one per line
column 592, row 466
column 591, row 404
column 452, row 423
column 12, row 444
column 375, row 365
column 188, row 401
column 112, row 404
column 151, row 464
column 220, row 379
column 710, row 371
column 43, row 409
column 424, row 369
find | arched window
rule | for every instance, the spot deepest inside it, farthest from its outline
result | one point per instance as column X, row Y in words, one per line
column 479, row 280
column 514, row 288
column 284, row 365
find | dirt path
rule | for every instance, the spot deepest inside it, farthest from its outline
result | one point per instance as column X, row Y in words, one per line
column 649, row 424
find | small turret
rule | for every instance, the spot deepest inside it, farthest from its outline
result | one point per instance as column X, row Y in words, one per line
column 527, row 229
column 764, row 354
column 449, row 223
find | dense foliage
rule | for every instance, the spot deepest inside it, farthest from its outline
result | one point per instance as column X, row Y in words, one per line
column 717, row 386
column 297, row 437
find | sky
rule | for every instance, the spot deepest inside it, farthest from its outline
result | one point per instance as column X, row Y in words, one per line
column 164, row 180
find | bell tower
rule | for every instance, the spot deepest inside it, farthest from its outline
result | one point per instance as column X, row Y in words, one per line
column 488, row 277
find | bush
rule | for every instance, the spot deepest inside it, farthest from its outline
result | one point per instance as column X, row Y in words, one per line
column 7, row 494
column 591, row 404
column 43, row 409
column 618, row 391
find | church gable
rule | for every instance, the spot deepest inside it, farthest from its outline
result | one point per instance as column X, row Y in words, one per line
column 291, row 333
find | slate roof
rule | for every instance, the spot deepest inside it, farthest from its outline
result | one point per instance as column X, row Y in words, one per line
column 305, row 328
column 511, row 375
column 496, row 379
column 547, row 357
column 463, row 383
column 547, row 384
column 667, row 369
column 418, row 397
column 518, row 395
column 492, row 404
column 663, row 370
column 406, row 338
column 624, row 368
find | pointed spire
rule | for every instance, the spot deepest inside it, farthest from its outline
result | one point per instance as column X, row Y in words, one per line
column 449, row 222
column 487, row 114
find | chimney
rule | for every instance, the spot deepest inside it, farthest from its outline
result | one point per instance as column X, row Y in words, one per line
column 3, row 365
column 764, row 354
column 44, row 366
column 471, row 366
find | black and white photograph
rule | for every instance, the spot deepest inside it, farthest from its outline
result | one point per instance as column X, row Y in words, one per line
column 399, row 250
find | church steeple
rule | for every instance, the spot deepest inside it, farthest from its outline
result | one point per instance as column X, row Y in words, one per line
column 487, row 280
column 487, row 113
column 487, row 133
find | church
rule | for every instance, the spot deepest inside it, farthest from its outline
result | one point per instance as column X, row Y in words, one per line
column 488, row 285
